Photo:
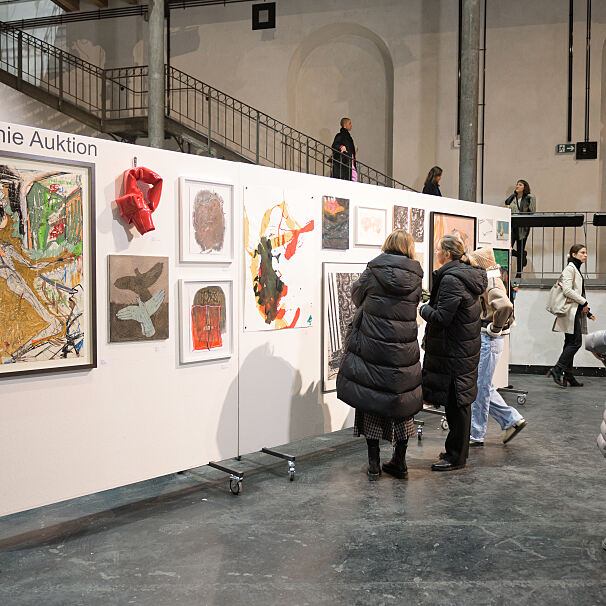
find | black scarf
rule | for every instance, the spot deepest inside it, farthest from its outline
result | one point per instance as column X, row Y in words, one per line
column 577, row 263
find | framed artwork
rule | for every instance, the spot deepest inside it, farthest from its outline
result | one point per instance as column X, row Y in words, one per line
column 138, row 298
column 442, row 224
column 485, row 231
column 206, row 320
column 206, row 221
column 335, row 223
column 503, row 230
column 503, row 257
column 417, row 224
column 400, row 217
column 338, row 312
column 47, row 265
column 279, row 249
column 371, row 226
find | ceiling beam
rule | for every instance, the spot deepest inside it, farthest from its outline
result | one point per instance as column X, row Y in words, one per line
column 101, row 3
column 68, row 6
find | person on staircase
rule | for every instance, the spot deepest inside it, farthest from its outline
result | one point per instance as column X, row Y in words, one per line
column 343, row 152
column 380, row 373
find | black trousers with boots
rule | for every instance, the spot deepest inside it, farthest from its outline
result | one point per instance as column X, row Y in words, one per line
column 459, row 427
column 572, row 344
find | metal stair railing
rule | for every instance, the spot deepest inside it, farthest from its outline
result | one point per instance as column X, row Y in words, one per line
column 122, row 94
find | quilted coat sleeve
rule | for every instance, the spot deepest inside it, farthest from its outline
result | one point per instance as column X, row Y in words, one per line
column 447, row 304
column 360, row 288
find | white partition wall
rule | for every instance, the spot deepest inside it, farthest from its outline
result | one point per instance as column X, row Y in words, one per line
column 141, row 413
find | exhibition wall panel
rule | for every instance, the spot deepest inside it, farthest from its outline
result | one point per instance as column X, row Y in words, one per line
column 151, row 408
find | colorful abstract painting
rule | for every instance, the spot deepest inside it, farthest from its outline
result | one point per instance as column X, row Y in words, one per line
column 278, row 256
column 485, row 231
column 502, row 257
column 138, row 298
column 206, row 211
column 339, row 310
column 443, row 224
column 400, row 217
column 503, row 230
column 417, row 224
column 47, row 281
column 206, row 320
column 371, row 226
column 335, row 223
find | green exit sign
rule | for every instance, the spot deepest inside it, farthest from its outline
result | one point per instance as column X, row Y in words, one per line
column 565, row 148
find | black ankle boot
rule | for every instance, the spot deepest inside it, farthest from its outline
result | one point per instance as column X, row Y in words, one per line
column 557, row 376
column 397, row 466
column 571, row 380
column 374, row 461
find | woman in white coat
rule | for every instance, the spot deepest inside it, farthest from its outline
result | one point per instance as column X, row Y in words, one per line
column 574, row 321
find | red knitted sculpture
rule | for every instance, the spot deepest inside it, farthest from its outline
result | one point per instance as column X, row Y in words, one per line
column 134, row 208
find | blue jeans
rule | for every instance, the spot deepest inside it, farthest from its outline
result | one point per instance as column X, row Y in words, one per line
column 489, row 400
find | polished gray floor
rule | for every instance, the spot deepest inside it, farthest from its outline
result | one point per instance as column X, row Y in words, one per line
column 522, row 524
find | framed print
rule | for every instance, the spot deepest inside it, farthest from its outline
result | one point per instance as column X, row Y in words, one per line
column 400, row 217
column 417, row 224
column 206, row 320
column 485, row 231
column 503, row 258
column 138, row 298
column 503, row 230
column 47, row 265
column 371, row 226
column 335, row 223
column 338, row 312
column 206, row 221
column 442, row 224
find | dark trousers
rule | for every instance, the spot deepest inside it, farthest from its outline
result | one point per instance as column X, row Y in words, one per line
column 572, row 344
column 459, row 426
column 520, row 247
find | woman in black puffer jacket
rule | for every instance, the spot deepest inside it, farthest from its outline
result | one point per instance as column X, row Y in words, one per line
column 380, row 374
column 452, row 345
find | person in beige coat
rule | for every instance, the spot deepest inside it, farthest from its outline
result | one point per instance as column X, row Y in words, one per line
column 574, row 321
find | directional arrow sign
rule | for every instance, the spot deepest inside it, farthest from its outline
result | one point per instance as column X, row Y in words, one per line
column 565, row 148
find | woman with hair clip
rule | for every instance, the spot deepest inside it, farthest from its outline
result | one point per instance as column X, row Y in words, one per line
column 521, row 201
column 380, row 374
column 574, row 320
column 452, row 345
column 432, row 182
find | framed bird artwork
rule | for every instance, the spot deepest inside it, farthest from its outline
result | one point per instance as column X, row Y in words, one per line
column 138, row 298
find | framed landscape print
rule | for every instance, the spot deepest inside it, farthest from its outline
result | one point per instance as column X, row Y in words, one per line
column 502, row 257
column 338, row 312
column 442, row 224
column 371, row 226
column 205, row 320
column 206, row 216
column 47, row 265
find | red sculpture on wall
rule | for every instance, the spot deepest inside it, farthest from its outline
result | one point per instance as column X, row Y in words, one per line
column 133, row 206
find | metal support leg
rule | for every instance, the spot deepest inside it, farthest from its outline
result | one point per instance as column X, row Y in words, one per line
column 235, row 477
column 280, row 455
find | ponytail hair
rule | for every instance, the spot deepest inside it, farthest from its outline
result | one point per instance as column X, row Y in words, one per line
column 454, row 245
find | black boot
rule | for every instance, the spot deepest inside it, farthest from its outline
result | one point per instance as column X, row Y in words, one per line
column 374, row 462
column 556, row 375
column 570, row 379
column 397, row 466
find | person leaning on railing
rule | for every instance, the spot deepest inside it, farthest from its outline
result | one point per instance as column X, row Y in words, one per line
column 343, row 152
column 521, row 201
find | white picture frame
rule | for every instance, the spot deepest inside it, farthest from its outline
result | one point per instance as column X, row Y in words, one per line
column 371, row 226
column 203, row 347
column 205, row 200
column 486, row 233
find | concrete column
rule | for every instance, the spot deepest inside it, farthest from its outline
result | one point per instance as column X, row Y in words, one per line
column 470, row 68
column 155, row 40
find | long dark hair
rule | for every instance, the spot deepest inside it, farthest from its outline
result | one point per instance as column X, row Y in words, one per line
column 433, row 174
column 526, row 187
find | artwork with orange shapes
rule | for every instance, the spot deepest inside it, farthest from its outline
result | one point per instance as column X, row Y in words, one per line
column 206, row 320
column 47, row 319
column 278, row 256
column 335, row 223
column 371, row 226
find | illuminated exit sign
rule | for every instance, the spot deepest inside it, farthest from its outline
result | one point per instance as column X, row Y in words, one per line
column 565, row 148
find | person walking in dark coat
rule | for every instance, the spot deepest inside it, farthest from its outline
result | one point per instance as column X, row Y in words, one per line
column 343, row 152
column 452, row 345
column 432, row 182
column 380, row 374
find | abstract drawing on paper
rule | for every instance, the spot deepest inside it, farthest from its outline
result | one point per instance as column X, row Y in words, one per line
column 485, row 231
column 46, row 270
column 206, row 211
column 339, row 311
column 206, row 320
column 370, row 226
column 335, row 223
column 417, row 224
column 138, row 298
column 278, row 255
column 400, row 217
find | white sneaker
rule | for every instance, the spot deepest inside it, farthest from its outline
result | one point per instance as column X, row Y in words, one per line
column 514, row 430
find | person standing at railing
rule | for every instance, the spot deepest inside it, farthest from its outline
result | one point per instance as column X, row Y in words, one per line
column 343, row 152
column 521, row 201
column 432, row 182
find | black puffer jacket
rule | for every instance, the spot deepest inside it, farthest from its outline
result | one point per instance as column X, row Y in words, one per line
column 380, row 372
column 452, row 335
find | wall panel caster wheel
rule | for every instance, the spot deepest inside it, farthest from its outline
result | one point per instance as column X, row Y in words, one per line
column 444, row 424
column 521, row 400
column 420, row 433
column 291, row 475
column 291, row 470
column 235, row 486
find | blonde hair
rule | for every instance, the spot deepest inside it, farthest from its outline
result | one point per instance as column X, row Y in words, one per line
column 483, row 257
column 399, row 241
column 454, row 245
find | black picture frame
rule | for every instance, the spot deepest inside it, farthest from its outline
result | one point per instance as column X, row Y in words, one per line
column 264, row 16
column 89, row 234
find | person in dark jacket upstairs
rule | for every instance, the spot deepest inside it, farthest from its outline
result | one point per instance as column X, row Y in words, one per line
column 343, row 152
column 432, row 183
column 452, row 345
column 380, row 374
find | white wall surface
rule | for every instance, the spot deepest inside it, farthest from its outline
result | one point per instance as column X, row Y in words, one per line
column 141, row 414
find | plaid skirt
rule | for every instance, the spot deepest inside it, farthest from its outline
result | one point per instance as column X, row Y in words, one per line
column 374, row 427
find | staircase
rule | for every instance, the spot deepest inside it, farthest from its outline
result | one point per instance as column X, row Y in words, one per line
column 199, row 117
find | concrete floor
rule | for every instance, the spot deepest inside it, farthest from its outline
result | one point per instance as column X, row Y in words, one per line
column 522, row 524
